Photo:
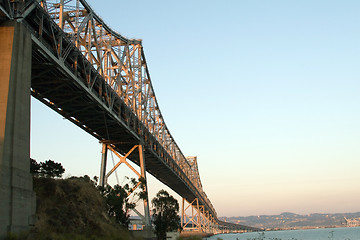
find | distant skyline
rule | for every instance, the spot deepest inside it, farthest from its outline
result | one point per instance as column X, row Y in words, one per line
column 264, row 93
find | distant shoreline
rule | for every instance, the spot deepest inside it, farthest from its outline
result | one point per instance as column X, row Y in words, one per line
column 292, row 221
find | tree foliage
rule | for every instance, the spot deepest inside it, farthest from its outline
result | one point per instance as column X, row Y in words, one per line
column 121, row 199
column 34, row 167
column 49, row 169
column 116, row 200
column 165, row 214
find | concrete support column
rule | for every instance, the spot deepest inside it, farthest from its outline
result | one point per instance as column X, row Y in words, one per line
column 17, row 199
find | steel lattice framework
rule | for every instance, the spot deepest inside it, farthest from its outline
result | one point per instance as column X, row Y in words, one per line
column 99, row 80
column 121, row 63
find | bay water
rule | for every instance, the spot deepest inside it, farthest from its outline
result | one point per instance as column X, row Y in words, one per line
column 348, row 233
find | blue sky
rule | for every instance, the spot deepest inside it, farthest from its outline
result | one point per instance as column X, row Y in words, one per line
column 265, row 93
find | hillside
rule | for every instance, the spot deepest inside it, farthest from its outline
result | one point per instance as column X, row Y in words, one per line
column 293, row 221
column 72, row 209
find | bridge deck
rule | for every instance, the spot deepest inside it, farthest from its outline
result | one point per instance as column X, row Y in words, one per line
column 69, row 76
column 55, row 84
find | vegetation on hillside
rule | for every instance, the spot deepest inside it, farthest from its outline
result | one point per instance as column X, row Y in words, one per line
column 72, row 209
column 76, row 208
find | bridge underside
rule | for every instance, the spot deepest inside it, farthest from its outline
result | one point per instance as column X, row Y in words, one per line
column 72, row 87
column 52, row 86
column 62, row 85
column 67, row 76
column 71, row 98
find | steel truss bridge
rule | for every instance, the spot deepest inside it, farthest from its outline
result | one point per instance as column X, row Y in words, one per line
column 99, row 80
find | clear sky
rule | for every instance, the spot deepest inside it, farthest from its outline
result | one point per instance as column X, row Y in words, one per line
column 264, row 92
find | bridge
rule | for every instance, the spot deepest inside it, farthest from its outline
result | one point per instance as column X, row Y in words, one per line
column 68, row 58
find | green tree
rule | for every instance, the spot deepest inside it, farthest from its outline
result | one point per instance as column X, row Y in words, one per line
column 51, row 169
column 48, row 169
column 34, row 167
column 118, row 207
column 121, row 199
column 165, row 214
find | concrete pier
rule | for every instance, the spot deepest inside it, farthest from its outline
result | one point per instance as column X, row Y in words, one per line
column 17, row 199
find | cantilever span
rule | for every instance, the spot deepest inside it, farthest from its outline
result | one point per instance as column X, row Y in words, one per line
column 99, row 80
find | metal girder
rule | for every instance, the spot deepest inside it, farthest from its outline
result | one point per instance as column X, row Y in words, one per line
column 123, row 159
column 195, row 218
column 121, row 63
column 99, row 80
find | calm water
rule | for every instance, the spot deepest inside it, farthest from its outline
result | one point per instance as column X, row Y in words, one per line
column 311, row 234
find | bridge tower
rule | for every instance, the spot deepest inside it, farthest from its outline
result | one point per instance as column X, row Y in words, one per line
column 17, row 201
column 195, row 219
column 107, row 145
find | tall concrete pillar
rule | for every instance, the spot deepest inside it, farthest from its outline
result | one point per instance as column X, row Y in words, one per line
column 17, row 199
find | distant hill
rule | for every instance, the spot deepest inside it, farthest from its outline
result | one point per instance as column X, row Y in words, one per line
column 289, row 220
